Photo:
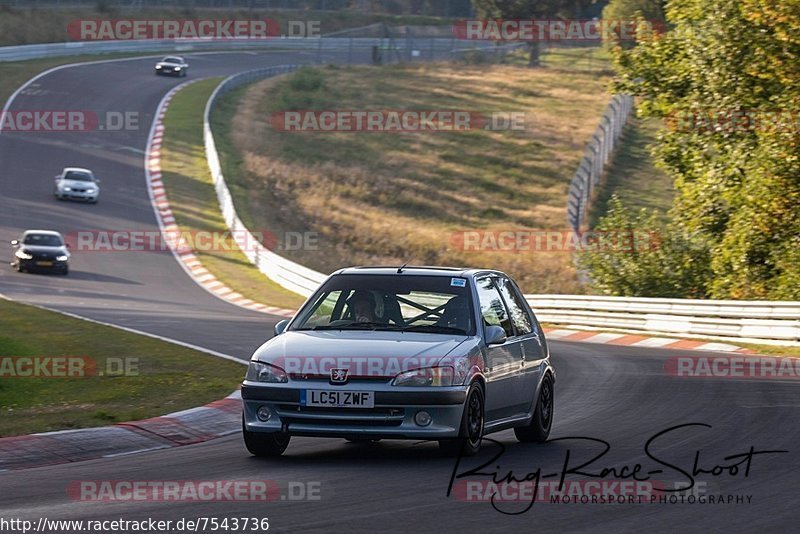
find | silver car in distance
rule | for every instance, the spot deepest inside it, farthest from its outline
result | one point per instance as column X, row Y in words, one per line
column 432, row 353
column 76, row 183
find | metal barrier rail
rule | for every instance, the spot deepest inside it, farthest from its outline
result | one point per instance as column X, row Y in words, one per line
column 768, row 320
column 36, row 51
column 597, row 155
column 288, row 274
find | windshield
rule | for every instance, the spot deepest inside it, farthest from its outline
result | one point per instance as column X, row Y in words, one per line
column 79, row 176
column 172, row 59
column 408, row 303
column 43, row 240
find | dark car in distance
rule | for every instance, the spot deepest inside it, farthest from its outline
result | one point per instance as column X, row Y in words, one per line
column 40, row 250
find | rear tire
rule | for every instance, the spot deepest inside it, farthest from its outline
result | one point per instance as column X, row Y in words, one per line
column 542, row 421
column 471, row 434
column 265, row 445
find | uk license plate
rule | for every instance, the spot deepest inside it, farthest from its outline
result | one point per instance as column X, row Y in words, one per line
column 44, row 263
column 337, row 399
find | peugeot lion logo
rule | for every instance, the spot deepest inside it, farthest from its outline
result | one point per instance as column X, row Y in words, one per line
column 338, row 376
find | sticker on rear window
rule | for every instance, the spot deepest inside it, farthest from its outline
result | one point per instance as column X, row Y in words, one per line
column 458, row 282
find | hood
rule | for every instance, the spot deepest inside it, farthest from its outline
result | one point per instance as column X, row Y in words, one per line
column 169, row 64
column 79, row 184
column 373, row 353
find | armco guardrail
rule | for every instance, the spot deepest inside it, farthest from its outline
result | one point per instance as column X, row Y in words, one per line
column 436, row 47
column 597, row 155
column 779, row 320
column 291, row 275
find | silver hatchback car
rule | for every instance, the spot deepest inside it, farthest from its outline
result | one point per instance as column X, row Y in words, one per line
column 408, row 353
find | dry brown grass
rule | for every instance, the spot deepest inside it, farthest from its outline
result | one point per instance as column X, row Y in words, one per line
column 385, row 198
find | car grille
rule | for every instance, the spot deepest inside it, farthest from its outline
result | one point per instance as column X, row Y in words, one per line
column 326, row 378
column 44, row 257
column 337, row 417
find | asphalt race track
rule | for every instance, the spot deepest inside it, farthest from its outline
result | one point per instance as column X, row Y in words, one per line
column 622, row 395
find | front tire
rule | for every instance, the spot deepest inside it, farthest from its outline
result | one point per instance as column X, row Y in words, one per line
column 265, row 445
column 542, row 421
column 471, row 434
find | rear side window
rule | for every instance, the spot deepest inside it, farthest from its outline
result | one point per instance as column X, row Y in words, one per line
column 519, row 316
column 493, row 310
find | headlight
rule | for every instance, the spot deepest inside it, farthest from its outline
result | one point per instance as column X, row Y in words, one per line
column 428, row 376
column 158, row 66
column 23, row 255
column 177, row 68
column 264, row 372
column 67, row 188
column 63, row 257
column 90, row 191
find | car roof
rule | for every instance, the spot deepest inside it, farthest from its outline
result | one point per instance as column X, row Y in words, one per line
column 43, row 232
column 428, row 270
column 172, row 57
column 76, row 169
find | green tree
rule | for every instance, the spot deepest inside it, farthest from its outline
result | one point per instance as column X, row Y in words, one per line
column 652, row 11
column 738, row 185
column 660, row 261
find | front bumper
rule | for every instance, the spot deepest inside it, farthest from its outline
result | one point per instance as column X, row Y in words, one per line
column 78, row 195
column 35, row 264
column 392, row 416
column 169, row 70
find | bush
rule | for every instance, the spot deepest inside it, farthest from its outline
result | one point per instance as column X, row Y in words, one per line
column 668, row 262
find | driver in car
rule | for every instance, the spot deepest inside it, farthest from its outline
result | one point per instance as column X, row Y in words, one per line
column 362, row 306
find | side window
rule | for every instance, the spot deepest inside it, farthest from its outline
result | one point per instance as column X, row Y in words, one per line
column 493, row 310
column 519, row 316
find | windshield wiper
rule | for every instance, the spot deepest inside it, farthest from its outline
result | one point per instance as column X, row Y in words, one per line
column 434, row 329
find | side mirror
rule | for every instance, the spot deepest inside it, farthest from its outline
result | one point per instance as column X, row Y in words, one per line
column 66, row 245
column 280, row 326
column 14, row 242
column 97, row 180
column 495, row 335
column 58, row 177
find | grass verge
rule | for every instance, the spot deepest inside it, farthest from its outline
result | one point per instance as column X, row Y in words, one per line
column 387, row 198
column 194, row 202
column 633, row 176
column 163, row 378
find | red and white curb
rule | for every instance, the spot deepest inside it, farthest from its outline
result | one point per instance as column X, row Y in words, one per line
column 214, row 420
column 169, row 228
column 633, row 340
